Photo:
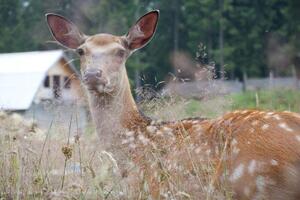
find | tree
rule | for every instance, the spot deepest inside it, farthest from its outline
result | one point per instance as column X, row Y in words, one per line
column 292, row 32
column 235, row 32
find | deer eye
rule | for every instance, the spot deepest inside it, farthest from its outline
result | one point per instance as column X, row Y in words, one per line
column 80, row 51
column 120, row 53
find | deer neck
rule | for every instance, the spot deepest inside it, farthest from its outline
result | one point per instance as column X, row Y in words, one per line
column 117, row 112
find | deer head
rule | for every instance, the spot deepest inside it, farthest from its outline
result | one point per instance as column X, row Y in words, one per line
column 103, row 56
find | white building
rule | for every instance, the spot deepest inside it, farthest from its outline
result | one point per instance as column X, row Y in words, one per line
column 29, row 79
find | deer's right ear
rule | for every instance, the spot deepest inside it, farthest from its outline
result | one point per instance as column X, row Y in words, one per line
column 142, row 31
column 64, row 31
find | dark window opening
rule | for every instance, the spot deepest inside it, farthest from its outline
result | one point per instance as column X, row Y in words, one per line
column 67, row 82
column 56, row 86
column 47, row 82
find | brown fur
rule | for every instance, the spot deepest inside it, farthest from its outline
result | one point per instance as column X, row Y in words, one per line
column 103, row 39
column 273, row 151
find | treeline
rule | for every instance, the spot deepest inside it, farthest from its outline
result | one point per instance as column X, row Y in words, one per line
column 241, row 36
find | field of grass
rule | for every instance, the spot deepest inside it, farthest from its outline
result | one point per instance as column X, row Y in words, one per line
column 279, row 100
column 57, row 164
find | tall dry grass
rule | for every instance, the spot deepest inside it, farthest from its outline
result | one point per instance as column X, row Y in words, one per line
column 60, row 164
column 36, row 164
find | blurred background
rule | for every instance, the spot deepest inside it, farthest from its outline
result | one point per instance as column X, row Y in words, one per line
column 201, row 47
column 241, row 36
column 208, row 57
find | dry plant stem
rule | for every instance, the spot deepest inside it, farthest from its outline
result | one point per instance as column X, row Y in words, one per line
column 109, row 192
column 19, row 179
column 191, row 159
column 44, row 144
column 219, row 165
column 66, row 158
column 163, row 168
column 78, row 142
column 256, row 99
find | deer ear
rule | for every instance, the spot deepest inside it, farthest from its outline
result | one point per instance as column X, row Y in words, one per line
column 64, row 31
column 143, row 30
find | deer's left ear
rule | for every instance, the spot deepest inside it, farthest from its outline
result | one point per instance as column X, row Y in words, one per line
column 142, row 31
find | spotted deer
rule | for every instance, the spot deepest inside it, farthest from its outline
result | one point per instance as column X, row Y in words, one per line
column 255, row 154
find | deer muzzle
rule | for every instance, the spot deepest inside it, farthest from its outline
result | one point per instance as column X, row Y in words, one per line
column 93, row 79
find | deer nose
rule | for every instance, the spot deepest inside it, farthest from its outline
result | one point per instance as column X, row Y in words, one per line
column 93, row 76
column 93, row 72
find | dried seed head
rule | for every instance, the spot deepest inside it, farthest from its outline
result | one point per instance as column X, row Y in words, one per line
column 67, row 151
column 38, row 180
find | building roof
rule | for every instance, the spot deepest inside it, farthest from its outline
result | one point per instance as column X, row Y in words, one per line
column 21, row 74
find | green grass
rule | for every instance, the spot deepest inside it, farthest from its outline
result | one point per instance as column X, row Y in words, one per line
column 278, row 100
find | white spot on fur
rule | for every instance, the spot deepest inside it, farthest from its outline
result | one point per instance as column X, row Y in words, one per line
column 234, row 142
column 151, row 129
column 195, row 122
column 285, row 127
column 251, row 166
column 198, row 150
column 274, row 162
column 246, row 118
column 254, row 112
column 277, row 117
column 270, row 113
column 245, row 111
column 237, row 173
column 143, row 139
column 159, row 133
column 260, row 183
column 235, row 150
column 129, row 133
column 254, row 123
column 298, row 138
column 265, row 127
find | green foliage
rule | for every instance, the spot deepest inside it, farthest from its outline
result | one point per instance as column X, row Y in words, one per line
column 13, row 31
column 183, row 25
